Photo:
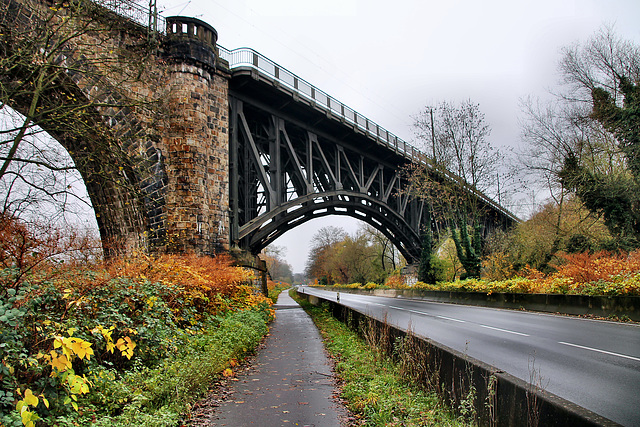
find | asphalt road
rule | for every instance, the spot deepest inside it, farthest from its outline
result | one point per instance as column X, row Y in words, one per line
column 595, row 364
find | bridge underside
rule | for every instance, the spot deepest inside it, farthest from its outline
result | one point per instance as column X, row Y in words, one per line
column 288, row 167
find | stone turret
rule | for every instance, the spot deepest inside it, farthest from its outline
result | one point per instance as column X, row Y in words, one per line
column 191, row 40
column 197, row 140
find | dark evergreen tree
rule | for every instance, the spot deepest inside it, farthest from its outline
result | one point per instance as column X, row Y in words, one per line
column 427, row 272
column 469, row 250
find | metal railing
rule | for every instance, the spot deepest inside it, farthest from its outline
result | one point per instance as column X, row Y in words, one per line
column 249, row 58
column 146, row 16
column 246, row 57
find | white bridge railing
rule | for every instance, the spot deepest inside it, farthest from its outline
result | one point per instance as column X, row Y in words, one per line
column 246, row 57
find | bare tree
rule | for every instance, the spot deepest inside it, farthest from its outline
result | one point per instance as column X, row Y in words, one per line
column 599, row 63
column 457, row 138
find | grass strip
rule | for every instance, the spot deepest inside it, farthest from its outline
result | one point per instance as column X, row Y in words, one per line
column 162, row 396
column 372, row 384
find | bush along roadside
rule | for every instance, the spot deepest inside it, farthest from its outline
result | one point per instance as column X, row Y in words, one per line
column 595, row 274
column 132, row 343
column 378, row 390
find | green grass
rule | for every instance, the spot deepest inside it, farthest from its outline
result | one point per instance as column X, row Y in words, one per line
column 163, row 395
column 372, row 384
column 275, row 292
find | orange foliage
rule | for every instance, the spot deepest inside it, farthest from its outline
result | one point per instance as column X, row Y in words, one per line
column 586, row 267
column 210, row 284
column 395, row 281
column 68, row 260
column 601, row 273
column 42, row 248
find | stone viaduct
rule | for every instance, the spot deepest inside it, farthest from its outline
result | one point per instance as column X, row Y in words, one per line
column 185, row 146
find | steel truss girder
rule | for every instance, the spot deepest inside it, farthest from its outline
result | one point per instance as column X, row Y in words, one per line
column 284, row 173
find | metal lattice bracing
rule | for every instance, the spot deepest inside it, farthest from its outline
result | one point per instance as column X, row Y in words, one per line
column 284, row 174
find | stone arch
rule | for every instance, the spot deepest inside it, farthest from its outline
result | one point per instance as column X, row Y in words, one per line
column 151, row 145
column 102, row 130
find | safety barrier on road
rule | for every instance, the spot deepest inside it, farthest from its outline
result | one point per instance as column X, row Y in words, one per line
column 601, row 306
column 499, row 398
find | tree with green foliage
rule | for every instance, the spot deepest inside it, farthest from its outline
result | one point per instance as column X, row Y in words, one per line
column 585, row 142
column 615, row 106
column 469, row 249
column 428, row 265
column 323, row 244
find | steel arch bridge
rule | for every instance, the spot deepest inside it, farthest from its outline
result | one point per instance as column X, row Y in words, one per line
column 297, row 154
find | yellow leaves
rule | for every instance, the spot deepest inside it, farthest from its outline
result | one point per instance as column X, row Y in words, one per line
column 82, row 349
column 72, row 346
column 27, row 416
column 29, row 398
column 126, row 346
column 227, row 373
column 59, row 362
column 106, row 333
column 77, row 385
column 151, row 301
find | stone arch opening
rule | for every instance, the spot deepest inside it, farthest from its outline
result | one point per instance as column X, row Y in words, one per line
column 42, row 183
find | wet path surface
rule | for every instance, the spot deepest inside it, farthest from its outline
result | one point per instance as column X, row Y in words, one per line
column 289, row 384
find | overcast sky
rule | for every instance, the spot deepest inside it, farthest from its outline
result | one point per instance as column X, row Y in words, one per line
column 388, row 60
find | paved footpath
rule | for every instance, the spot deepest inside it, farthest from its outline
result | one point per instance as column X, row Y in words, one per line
column 289, row 384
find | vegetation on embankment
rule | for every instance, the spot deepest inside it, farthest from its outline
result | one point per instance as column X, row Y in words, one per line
column 130, row 343
column 602, row 273
column 379, row 391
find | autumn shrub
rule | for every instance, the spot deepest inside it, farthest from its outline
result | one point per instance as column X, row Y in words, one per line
column 75, row 334
column 395, row 281
column 206, row 284
column 497, row 266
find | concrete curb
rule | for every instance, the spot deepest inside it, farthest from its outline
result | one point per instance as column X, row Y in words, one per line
column 500, row 398
column 603, row 306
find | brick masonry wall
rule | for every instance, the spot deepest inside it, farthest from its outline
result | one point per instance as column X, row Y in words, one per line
column 197, row 164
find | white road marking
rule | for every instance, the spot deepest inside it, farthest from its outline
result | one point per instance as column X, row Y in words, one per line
column 451, row 318
column 600, row 351
column 503, row 330
column 462, row 321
